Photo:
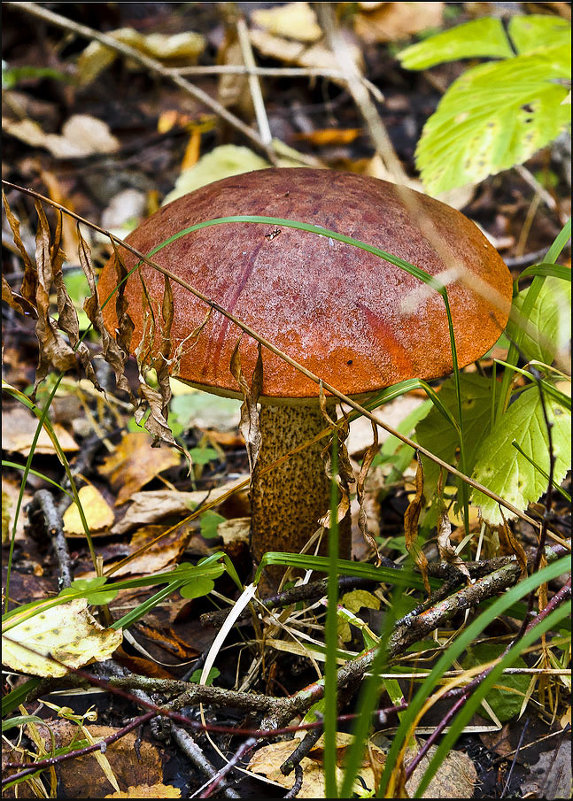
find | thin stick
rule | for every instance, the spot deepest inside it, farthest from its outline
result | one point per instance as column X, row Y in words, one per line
column 378, row 133
column 254, row 83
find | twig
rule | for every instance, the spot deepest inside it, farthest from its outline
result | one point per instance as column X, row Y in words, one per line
column 146, row 61
column 301, row 592
column 380, row 138
column 195, row 755
column 254, row 83
column 43, row 501
column 245, row 748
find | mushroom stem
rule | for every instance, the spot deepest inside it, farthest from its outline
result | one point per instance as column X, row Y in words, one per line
column 288, row 501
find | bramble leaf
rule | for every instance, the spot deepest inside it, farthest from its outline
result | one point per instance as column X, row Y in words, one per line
column 504, row 470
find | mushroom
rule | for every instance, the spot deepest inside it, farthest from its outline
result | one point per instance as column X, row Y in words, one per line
column 350, row 317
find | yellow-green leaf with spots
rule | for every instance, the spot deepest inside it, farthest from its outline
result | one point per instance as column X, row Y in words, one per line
column 64, row 635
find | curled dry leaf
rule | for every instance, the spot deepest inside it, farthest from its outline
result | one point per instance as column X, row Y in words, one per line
column 411, row 518
column 181, row 48
column 113, row 354
column 250, row 424
column 67, row 633
column 446, row 550
column 371, row 452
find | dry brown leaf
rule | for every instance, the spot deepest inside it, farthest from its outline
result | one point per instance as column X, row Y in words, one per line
column 159, row 556
column 237, row 529
column 98, row 513
column 112, row 352
column 317, row 56
column 330, row 136
column 177, row 49
column 268, row 759
column 134, row 463
column 146, row 791
column 30, row 279
column 511, row 545
column 292, row 20
column 19, row 428
column 411, row 518
column 456, row 777
column 155, row 506
column 362, row 515
column 249, row 425
column 133, row 763
column 54, row 350
column 446, row 550
column 388, row 22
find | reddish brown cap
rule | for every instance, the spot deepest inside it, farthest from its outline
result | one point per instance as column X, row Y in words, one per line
column 351, row 317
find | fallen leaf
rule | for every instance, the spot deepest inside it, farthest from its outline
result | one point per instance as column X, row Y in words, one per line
column 133, row 763
column 388, row 22
column 292, row 20
column 135, row 463
column 159, row 556
column 268, row 759
column 68, row 633
column 178, row 49
column 238, row 529
column 19, row 428
column 98, row 513
column 82, row 135
column 155, row 506
column 456, row 777
column 316, row 56
column 330, row 136
column 145, row 791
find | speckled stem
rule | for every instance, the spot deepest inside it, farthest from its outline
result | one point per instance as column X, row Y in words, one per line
column 287, row 502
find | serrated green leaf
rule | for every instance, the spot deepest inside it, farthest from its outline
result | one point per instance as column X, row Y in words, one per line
column 493, row 117
column 500, row 466
column 535, row 32
column 435, row 434
column 549, row 321
column 505, row 704
column 481, row 37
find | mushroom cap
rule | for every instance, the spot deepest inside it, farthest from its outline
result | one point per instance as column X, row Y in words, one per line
column 350, row 317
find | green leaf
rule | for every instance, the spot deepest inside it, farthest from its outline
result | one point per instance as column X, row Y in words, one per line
column 214, row 673
column 198, row 587
column 535, row 32
column 493, row 117
column 203, row 455
column 482, row 37
column 501, row 467
column 209, row 522
column 438, row 436
column 548, row 324
column 504, row 703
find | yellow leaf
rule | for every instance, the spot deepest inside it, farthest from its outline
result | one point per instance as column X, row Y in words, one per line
column 99, row 514
column 68, row 633
column 293, row 20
